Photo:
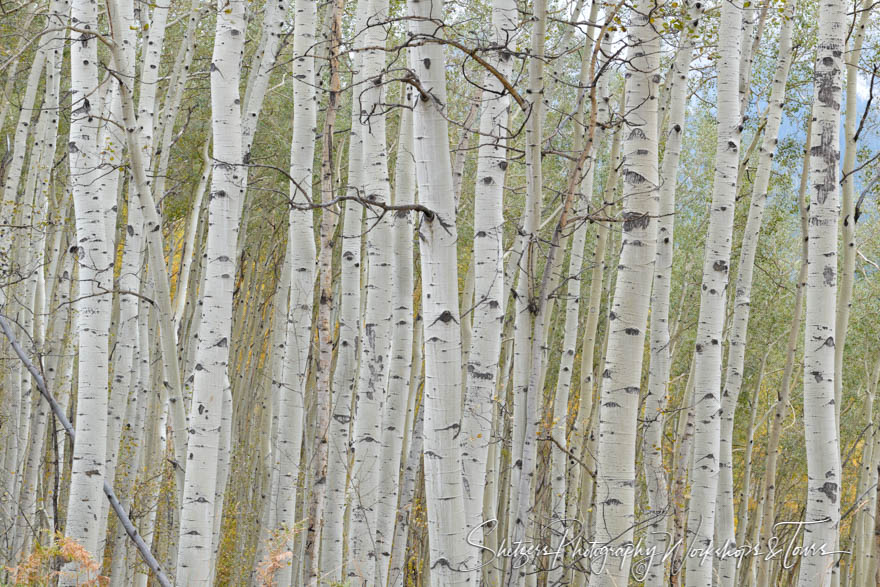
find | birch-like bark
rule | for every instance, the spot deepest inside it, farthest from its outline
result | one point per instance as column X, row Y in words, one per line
column 774, row 435
column 400, row 362
column 135, row 437
column 738, row 333
column 93, row 309
column 864, row 515
column 174, row 96
column 212, row 357
column 746, row 487
column 15, row 210
column 188, row 252
column 820, row 425
column 618, row 409
column 329, row 220
column 581, row 425
column 12, row 68
column 559, row 429
column 113, row 145
column 848, row 225
column 488, row 311
column 345, row 373
column 16, row 165
column 716, row 269
column 373, row 372
column 274, row 17
column 658, row 372
column 39, row 190
column 449, row 551
column 301, row 256
column 413, row 443
column 525, row 300
column 278, row 342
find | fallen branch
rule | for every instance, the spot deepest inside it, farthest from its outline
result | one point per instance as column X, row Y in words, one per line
column 132, row 532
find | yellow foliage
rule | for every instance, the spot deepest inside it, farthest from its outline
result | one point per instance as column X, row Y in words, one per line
column 36, row 570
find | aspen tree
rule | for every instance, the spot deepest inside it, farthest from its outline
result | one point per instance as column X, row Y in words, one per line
column 95, row 276
column 371, row 390
column 524, row 300
column 194, row 565
column 660, row 362
column 413, row 444
column 820, row 419
column 488, row 313
column 742, row 297
column 560, row 458
column 615, row 477
column 578, row 484
column 716, row 269
column 12, row 263
column 449, row 552
column 848, row 222
column 325, row 326
column 780, row 410
column 400, row 362
column 174, row 96
column 301, row 254
column 345, row 372
column 113, row 149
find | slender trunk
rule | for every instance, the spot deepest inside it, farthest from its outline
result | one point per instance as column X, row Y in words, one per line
column 344, row 376
column 488, row 310
column 621, row 377
column 194, row 565
column 449, row 552
column 93, row 309
column 525, row 300
column 318, row 495
column 394, row 410
column 774, row 436
column 581, row 422
column 413, row 462
column 661, row 357
column 684, row 438
column 174, row 96
column 847, row 213
column 373, row 372
column 820, row 412
column 716, row 270
column 301, row 255
column 742, row 298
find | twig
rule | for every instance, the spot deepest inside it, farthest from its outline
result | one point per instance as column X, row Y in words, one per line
column 132, row 532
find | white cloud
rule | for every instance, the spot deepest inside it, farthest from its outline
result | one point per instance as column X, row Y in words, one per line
column 862, row 89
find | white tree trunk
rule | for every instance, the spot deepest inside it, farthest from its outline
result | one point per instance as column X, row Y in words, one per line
column 212, row 357
column 658, row 372
column 820, row 426
column 488, row 312
column 376, row 343
column 413, row 443
column 274, row 17
column 774, row 435
column 742, row 301
column 449, row 552
column 716, row 269
column 848, row 226
column 560, row 459
column 345, row 373
column 93, row 309
column 578, row 482
column 621, row 379
column 176, row 86
column 301, row 254
column 400, row 363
